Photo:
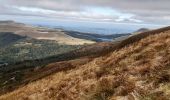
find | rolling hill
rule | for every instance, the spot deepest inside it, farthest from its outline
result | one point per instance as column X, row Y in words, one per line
column 16, row 48
column 7, row 38
column 21, row 53
column 135, row 68
column 142, row 30
column 41, row 33
column 31, row 49
column 95, row 37
column 60, row 35
column 20, row 42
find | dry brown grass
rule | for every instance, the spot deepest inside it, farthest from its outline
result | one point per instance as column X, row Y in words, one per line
column 139, row 71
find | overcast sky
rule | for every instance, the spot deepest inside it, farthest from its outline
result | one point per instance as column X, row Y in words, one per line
column 115, row 11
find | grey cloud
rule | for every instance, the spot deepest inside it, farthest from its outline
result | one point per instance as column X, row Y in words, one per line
column 151, row 11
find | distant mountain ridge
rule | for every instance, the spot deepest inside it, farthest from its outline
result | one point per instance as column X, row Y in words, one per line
column 57, row 34
column 95, row 37
column 7, row 21
column 41, row 33
column 142, row 30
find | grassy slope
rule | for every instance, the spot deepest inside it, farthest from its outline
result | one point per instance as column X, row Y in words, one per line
column 31, row 70
column 140, row 70
column 30, row 49
column 7, row 38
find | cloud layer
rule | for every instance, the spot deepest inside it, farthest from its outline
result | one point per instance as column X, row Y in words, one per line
column 120, row 11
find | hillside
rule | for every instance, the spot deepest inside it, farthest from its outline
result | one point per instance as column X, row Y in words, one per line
column 95, row 37
column 30, row 70
column 142, row 30
column 7, row 38
column 41, row 33
column 137, row 68
column 31, row 49
column 22, row 42
column 60, row 35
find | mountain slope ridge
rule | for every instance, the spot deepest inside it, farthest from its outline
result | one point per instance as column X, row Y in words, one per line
column 135, row 71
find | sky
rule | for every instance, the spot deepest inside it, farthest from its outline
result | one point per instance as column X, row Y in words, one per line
column 149, row 12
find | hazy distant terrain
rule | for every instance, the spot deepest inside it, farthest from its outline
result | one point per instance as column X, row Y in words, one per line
column 41, row 33
column 141, row 30
column 95, row 37
column 21, row 42
column 59, row 35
